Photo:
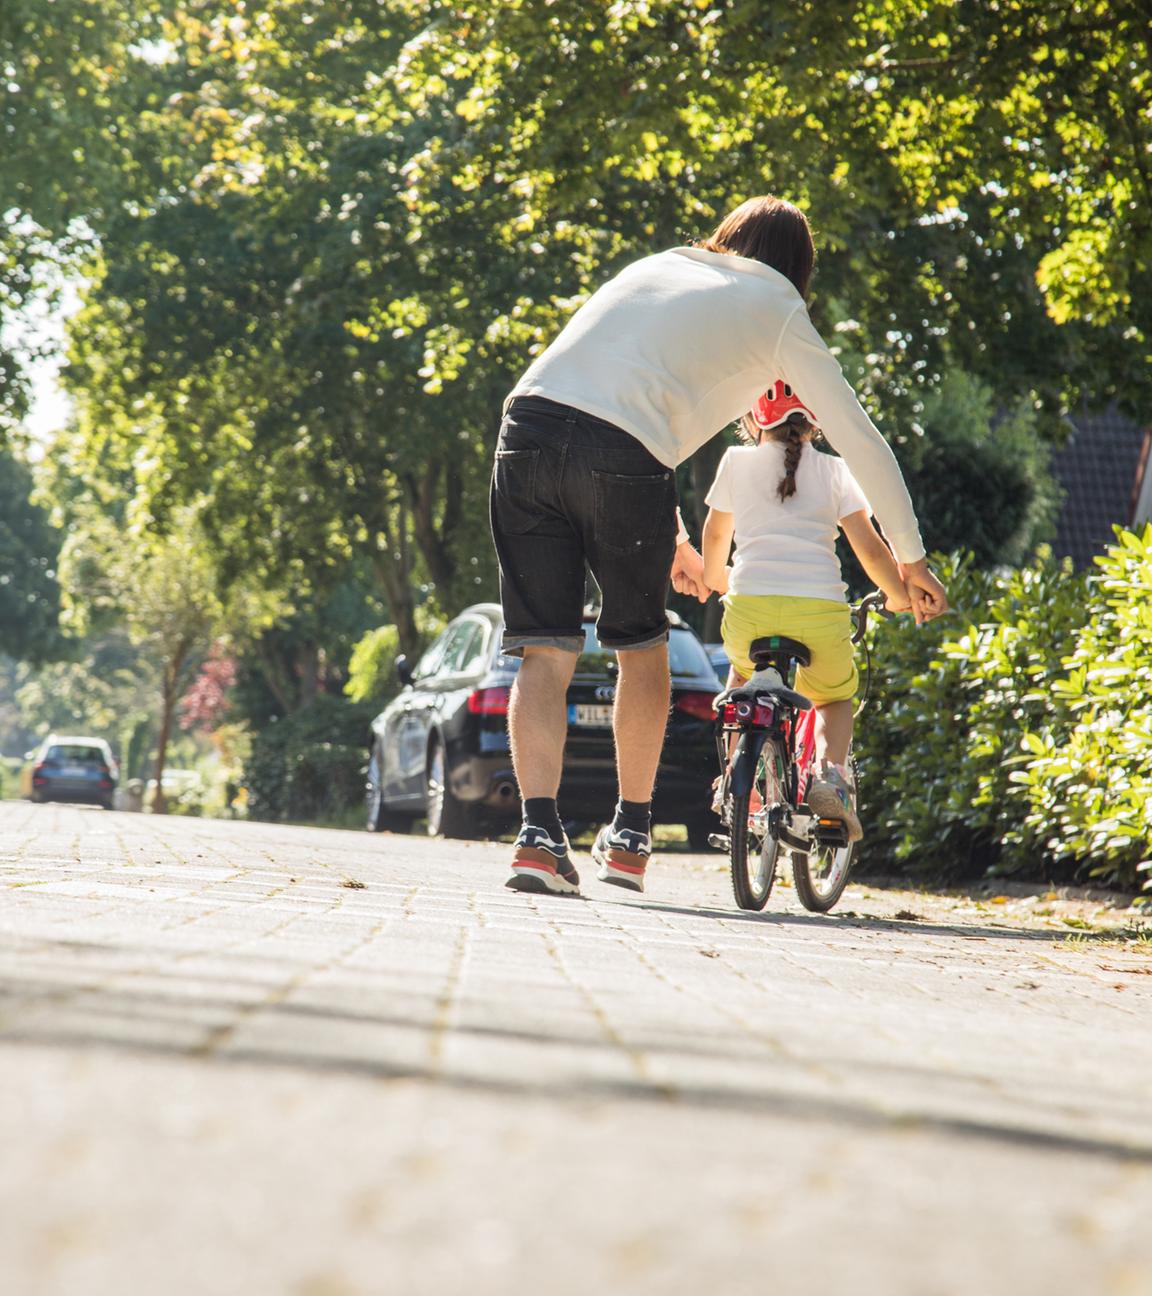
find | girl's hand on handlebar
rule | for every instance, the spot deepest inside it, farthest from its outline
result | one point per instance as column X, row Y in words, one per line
column 894, row 602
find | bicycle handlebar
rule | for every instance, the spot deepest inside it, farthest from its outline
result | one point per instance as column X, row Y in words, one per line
column 874, row 602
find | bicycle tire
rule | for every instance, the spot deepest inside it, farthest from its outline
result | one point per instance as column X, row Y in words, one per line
column 751, row 887
column 812, row 896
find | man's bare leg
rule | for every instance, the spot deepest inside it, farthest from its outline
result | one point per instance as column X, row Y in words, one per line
column 638, row 721
column 640, row 718
column 538, row 720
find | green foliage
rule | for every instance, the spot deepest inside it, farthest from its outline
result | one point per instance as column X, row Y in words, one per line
column 979, row 474
column 342, row 235
column 312, row 764
column 372, row 670
column 1021, row 743
column 1089, row 777
column 29, row 548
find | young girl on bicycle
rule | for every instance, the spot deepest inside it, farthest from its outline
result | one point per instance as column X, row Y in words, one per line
column 783, row 502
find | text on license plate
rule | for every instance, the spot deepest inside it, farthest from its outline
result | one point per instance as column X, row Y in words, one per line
column 589, row 715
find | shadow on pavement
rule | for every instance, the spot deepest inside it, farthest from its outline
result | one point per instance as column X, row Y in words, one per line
column 764, row 1102
column 964, row 931
column 208, row 1029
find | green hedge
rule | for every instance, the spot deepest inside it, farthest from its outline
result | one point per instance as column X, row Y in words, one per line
column 1015, row 735
column 312, row 764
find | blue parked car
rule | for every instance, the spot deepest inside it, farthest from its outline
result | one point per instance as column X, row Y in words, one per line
column 66, row 768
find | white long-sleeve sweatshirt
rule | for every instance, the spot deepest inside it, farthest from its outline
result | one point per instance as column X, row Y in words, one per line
column 679, row 345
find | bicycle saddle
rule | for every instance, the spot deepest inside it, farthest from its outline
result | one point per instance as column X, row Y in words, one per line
column 765, row 683
column 779, row 646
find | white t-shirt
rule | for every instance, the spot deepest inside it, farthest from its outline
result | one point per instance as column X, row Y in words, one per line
column 681, row 344
column 785, row 546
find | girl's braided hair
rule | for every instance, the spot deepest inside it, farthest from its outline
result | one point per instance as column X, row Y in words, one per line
column 795, row 432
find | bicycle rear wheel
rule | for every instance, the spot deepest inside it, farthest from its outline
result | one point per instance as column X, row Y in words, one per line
column 753, row 849
column 821, row 874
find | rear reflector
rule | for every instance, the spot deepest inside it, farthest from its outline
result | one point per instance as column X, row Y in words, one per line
column 698, row 705
column 748, row 713
column 489, row 701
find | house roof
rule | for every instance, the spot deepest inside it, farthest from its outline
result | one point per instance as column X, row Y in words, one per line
column 1100, row 467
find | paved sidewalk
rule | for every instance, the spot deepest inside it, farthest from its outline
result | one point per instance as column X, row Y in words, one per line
column 225, row 1070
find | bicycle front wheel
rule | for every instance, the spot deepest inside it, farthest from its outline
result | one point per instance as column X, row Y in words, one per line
column 753, row 849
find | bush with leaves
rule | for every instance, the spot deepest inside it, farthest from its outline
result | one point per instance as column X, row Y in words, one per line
column 1088, row 778
column 310, row 765
column 1022, row 742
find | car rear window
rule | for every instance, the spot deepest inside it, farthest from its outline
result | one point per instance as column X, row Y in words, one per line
column 686, row 655
column 74, row 754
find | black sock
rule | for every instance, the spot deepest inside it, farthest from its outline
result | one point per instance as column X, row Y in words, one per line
column 636, row 816
column 541, row 812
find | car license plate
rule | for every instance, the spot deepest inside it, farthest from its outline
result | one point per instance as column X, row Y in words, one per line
column 73, row 771
column 588, row 716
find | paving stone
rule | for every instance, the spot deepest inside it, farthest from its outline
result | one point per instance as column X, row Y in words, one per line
column 224, row 1071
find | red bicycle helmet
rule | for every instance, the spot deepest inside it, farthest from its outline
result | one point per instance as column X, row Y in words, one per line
column 777, row 406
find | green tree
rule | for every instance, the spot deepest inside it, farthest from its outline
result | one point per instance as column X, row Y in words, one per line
column 163, row 590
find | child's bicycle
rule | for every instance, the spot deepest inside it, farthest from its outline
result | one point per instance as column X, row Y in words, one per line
column 765, row 738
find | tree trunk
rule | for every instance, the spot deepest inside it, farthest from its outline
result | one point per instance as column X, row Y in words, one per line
column 168, row 705
column 435, row 518
column 275, row 676
column 308, row 672
column 170, row 692
column 398, row 591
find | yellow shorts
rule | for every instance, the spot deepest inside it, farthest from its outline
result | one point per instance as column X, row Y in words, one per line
column 823, row 624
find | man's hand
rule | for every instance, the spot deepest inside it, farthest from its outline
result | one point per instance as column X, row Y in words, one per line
column 925, row 593
column 688, row 573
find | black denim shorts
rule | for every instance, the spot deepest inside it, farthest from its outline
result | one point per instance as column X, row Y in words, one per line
column 570, row 490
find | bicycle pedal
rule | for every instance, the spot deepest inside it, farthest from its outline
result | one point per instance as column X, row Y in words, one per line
column 719, row 842
column 831, row 832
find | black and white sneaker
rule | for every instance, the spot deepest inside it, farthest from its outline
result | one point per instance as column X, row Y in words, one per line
column 542, row 865
column 623, row 855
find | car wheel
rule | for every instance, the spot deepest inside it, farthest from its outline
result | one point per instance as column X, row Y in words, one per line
column 107, row 805
column 448, row 816
column 380, row 818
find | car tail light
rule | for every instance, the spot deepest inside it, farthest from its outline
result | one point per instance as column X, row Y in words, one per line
column 698, row 705
column 489, row 701
column 38, row 774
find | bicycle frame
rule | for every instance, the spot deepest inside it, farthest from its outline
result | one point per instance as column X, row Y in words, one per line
column 758, row 722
